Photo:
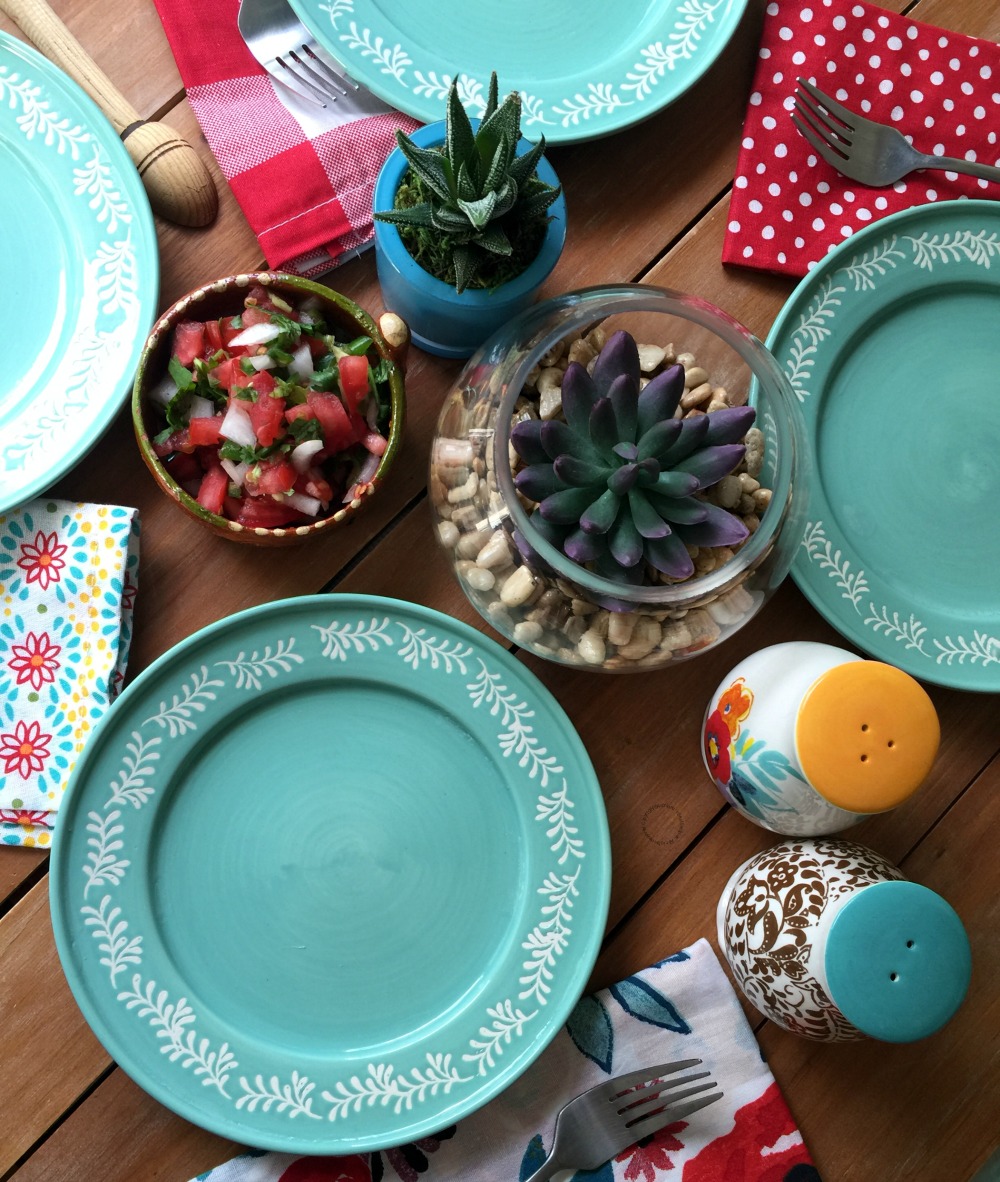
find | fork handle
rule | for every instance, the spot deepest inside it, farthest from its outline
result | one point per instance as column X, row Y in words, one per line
column 548, row 1170
column 178, row 184
column 957, row 164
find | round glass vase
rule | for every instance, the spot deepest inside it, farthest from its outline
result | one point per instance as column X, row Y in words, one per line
column 530, row 591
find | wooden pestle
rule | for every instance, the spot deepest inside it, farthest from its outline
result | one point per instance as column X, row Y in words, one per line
column 177, row 183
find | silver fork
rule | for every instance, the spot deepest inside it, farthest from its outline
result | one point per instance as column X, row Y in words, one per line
column 864, row 150
column 285, row 48
column 608, row 1118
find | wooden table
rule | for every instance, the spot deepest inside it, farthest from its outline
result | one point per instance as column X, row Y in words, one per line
column 928, row 1111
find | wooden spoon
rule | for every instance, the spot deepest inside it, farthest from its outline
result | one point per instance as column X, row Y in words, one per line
column 178, row 184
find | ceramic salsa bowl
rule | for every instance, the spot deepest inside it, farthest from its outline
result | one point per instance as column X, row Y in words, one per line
column 224, row 297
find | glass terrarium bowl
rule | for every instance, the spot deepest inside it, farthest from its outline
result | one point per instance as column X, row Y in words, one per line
column 529, row 590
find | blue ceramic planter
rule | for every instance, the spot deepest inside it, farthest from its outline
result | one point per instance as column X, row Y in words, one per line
column 441, row 321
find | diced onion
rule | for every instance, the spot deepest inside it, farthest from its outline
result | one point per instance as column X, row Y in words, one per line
column 163, row 391
column 256, row 334
column 237, row 473
column 371, row 413
column 300, row 501
column 375, row 443
column 201, row 408
column 302, row 456
column 302, row 363
column 262, row 361
column 368, row 470
column 237, row 426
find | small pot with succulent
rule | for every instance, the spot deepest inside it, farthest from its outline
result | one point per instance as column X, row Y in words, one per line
column 606, row 503
column 470, row 220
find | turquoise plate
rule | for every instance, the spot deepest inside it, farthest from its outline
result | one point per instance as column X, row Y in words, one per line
column 583, row 68
column 330, row 874
column 892, row 345
column 80, row 272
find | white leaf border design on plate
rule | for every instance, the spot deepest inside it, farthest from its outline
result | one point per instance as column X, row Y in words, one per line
column 599, row 97
column 182, row 711
column 814, row 327
column 93, row 357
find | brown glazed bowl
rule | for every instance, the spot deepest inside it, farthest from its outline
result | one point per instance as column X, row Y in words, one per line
column 224, row 297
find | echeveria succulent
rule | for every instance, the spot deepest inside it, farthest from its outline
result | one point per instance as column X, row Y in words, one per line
column 618, row 480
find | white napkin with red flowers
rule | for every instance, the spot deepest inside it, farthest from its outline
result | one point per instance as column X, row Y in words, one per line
column 941, row 89
column 681, row 1008
column 303, row 175
column 67, row 588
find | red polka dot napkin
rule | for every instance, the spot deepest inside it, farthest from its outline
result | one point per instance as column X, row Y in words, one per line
column 303, row 175
column 941, row 89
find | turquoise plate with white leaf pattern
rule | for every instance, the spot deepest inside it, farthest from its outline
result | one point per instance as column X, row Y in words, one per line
column 583, row 68
column 330, row 874
column 80, row 272
column 892, row 346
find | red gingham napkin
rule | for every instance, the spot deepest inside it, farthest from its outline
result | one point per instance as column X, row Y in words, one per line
column 941, row 89
column 304, row 184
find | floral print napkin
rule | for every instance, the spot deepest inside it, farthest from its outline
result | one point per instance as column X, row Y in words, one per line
column 681, row 1008
column 67, row 588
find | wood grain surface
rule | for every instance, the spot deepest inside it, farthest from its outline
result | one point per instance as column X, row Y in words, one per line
column 648, row 205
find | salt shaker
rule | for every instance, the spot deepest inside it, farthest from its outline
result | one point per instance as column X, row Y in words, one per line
column 828, row 940
column 807, row 739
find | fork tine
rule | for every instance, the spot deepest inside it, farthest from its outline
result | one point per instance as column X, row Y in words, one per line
column 280, row 69
column 325, row 58
column 848, row 118
column 660, row 1092
column 317, row 66
column 615, row 1087
column 821, row 146
column 657, row 1104
column 826, row 125
column 662, row 1119
column 298, row 63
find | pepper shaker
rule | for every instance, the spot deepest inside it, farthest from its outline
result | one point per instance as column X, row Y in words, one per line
column 828, row 940
column 806, row 739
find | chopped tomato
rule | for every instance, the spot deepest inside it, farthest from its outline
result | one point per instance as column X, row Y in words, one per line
column 302, row 411
column 214, row 485
column 271, row 476
column 254, row 315
column 353, row 379
column 179, row 441
column 338, row 432
column 228, row 330
column 263, row 382
column 203, row 432
column 230, row 373
column 189, row 341
column 183, row 466
column 213, row 337
column 267, row 415
column 375, row 443
column 263, row 511
column 312, row 483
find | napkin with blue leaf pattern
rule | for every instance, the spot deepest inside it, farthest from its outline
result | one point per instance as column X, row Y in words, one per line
column 681, row 1008
column 68, row 576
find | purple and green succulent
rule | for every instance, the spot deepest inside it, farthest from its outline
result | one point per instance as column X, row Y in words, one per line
column 618, row 480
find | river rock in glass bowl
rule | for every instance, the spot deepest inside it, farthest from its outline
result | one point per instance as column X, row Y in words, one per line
column 527, row 588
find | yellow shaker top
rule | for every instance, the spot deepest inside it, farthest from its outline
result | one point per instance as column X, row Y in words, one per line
column 866, row 735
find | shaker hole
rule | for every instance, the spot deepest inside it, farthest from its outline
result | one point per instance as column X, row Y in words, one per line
column 894, row 976
column 864, row 758
column 864, row 726
column 891, row 743
column 909, row 943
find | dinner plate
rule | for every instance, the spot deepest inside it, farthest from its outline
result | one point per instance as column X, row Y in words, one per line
column 330, row 874
column 584, row 68
column 892, row 347
column 80, row 272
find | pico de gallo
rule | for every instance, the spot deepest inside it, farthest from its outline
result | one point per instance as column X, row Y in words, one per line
column 268, row 418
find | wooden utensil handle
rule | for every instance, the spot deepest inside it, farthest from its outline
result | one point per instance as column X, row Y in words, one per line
column 177, row 183
column 50, row 35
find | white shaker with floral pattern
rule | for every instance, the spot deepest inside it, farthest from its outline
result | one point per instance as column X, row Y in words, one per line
column 806, row 739
column 828, row 940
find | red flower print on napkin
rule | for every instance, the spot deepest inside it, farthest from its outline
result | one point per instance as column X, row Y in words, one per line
column 42, row 560
column 652, row 1154
column 26, row 750
column 763, row 1146
column 35, row 660
column 25, row 817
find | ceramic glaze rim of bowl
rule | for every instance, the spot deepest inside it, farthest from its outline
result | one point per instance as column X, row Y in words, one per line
column 591, row 305
column 278, row 280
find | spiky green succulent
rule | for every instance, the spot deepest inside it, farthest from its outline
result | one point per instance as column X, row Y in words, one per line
column 481, row 201
column 619, row 482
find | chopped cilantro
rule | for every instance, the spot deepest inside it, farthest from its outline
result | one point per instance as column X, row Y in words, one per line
column 302, row 429
column 182, row 376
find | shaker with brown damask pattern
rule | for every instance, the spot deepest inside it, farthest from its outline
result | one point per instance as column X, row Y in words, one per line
column 805, row 738
column 828, row 940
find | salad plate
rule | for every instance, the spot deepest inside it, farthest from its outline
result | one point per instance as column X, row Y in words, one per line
column 891, row 347
column 81, row 272
column 330, row 874
column 583, row 69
